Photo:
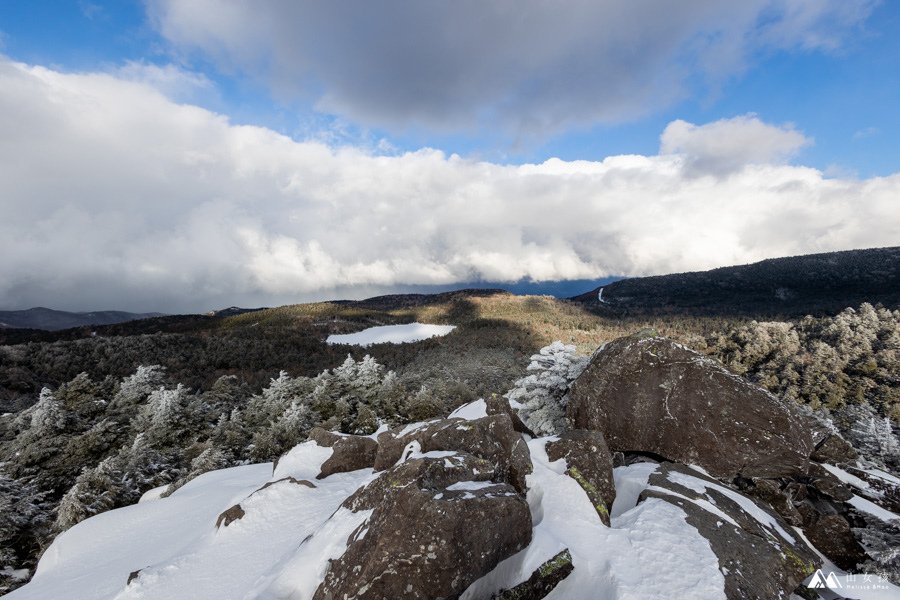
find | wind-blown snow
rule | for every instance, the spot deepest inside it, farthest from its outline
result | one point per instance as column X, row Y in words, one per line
column 846, row 477
column 748, row 506
column 391, row 334
column 181, row 554
column 649, row 552
column 471, row 411
column 630, row 481
column 868, row 507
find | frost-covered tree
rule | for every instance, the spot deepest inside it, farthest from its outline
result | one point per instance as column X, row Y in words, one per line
column 285, row 433
column 164, row 418
column 96, row 490
column 46, row 417
column 347, row 396
column 211, row 459
column 543, row 393
column 135, row 388
column 24, row 518
column 872, row 435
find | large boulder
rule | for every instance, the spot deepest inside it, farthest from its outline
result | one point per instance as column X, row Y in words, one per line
column 492, row 438
column 759, row 554
column 650, row 394
column 832, row 536
column 437, row 525
column 350, row 452
column 590, row 463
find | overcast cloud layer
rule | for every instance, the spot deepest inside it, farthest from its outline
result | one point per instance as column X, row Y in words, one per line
column 531, row 67
column 115, row 196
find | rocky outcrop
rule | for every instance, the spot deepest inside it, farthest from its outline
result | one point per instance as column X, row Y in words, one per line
column 350, row 452
column 544, row 579
column 590, row 463
column 230, row 515
column 437, row 525
column 491, row 438
column 835, row 450
column 759, row 555
column 831, row 535
column 497, row 405
column 650, row 394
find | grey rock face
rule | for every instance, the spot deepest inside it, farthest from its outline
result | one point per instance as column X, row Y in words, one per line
column 491, row 438
column 428, row 538
column 650, row 394
column 760, row 560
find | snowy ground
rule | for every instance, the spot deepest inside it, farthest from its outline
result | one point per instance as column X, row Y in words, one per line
column 392, row 334
column 649, row 552
column 183, row 556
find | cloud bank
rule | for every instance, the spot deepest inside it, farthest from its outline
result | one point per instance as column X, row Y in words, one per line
column 531, row 67
column 113, row 195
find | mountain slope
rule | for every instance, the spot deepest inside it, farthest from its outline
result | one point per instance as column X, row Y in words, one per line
column 811, row 284
column 54, row 320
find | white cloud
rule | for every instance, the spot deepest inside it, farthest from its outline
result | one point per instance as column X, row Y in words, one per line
column 728, row 145
column 113, row 195
column 174, row 82
column 530, row 67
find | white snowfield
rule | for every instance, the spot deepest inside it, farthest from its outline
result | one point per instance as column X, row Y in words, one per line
column 280, row 548
column 391, row 334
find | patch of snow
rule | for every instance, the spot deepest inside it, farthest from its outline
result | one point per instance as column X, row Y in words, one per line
column 706, row 505
column 748, row 506
column 651, row 552
column 845, row 477
column 630, row 481
column 471, row 411
column 302, row 574
column 411, row 427
column 868, row 507
column 471, row 486
column 882, row 475
column 153, row 494
column 391, row 334
column 304, row 461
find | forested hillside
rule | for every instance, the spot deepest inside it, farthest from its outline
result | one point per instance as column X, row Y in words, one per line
column 818, row 284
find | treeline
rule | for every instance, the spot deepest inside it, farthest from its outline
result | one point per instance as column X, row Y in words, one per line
column 852, row 358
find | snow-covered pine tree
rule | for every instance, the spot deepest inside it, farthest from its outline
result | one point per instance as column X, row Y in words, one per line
column 96, row 490
column 210, row 459
column 543, row 393
column 870, row 434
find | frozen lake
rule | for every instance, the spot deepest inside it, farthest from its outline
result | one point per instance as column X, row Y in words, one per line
column 391, row 334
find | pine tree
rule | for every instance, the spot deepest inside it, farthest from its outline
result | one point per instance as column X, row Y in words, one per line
column 543, row 393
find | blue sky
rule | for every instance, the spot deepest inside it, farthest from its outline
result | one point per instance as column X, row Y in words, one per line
column 186, row 155
column 846, row 98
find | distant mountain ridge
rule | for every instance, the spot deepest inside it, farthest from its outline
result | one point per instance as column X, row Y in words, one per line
column 55, row 320
column 792, row 286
